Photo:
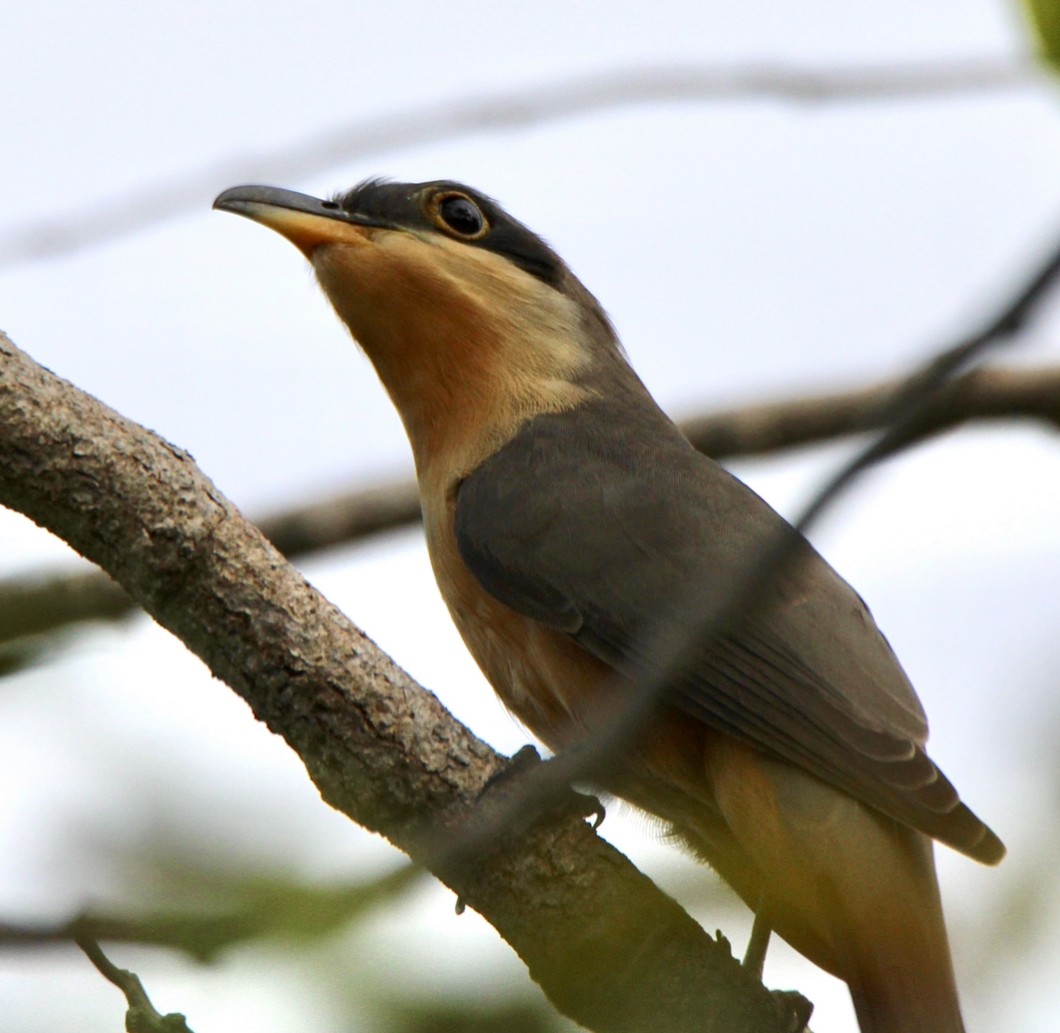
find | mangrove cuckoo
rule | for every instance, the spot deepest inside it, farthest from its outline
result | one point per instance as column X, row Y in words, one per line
column 571, row 526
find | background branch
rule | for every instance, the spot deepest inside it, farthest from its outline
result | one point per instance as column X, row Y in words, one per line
column 607, row 947
column 37, row 604
column 109, row 218
column 245, row 911
column 978, row 395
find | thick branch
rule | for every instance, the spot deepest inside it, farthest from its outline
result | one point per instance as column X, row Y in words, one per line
column 30, row 606
column 608, row 948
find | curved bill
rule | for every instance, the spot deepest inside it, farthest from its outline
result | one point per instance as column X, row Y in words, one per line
column 304, row 220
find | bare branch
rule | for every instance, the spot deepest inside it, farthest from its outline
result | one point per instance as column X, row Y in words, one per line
column 252, row 909
column 108, row 218
column 915, row 399
column 980, row 395
column 142, row 1016
column 608, row 948
column 37, row 605
column 348, row 517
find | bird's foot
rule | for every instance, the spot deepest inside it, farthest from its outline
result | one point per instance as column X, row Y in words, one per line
column 584, row 805
column 525, row 758
column 794, row 1007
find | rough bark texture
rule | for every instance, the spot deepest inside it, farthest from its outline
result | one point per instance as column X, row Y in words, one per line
column 606, row 945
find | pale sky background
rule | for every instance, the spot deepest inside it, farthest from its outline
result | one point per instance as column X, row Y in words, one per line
column 745, row 249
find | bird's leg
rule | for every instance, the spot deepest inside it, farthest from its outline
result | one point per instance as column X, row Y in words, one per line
column 585, row 805
column 754, row 958
column 525, row 758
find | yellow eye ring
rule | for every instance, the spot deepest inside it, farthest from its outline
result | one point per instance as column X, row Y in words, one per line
column 458, row 215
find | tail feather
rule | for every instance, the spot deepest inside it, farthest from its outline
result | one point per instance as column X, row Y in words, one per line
column 904, row 1010
column 894, row 951
column 901, row 977
column 852, row 889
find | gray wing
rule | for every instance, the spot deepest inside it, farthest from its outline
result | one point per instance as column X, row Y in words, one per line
column 614, row 530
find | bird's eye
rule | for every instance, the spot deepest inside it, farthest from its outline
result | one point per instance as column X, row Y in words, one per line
column 459, row 215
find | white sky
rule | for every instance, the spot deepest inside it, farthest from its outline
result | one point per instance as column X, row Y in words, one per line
column 744, row 249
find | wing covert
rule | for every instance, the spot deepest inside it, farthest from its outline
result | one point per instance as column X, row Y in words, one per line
column 611, row 538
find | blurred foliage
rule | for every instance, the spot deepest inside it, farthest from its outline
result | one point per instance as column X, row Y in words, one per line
column 199, row 897
column 506, row 1016
column 210, row 909
column 1044, row 17
column 24, row 652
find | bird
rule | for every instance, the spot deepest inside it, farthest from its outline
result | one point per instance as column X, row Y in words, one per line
column 575, row 534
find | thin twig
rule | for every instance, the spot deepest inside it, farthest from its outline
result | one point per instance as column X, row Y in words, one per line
column 108, row 218
column 142, row 1016
column 911, row 404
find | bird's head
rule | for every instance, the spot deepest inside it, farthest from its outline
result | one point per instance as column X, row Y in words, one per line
column 472, row 321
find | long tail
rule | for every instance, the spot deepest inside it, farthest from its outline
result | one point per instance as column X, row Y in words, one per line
column 895, row 952
column 848, row 887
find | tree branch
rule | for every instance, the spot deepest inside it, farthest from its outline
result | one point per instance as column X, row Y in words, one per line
column 107, row 218
column 979, row 395
column 251, row 909
column 41, row 604
column 142, row 1016
column 607, row 947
